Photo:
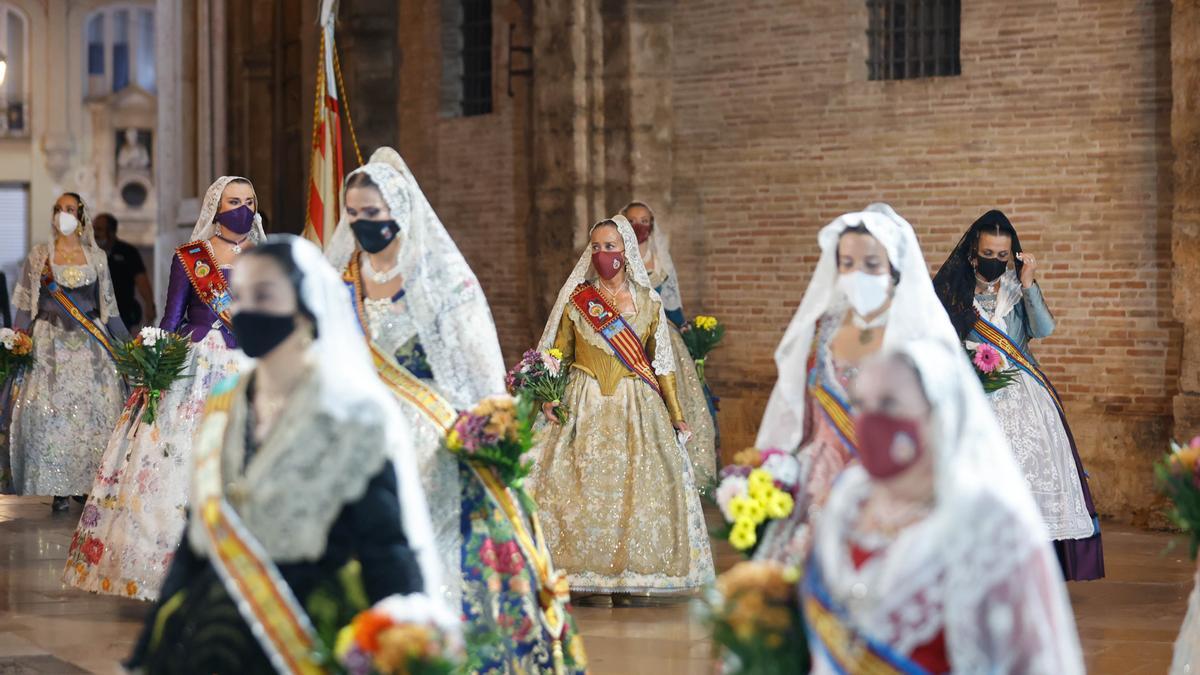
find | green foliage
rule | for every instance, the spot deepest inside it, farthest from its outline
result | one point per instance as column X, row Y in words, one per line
column 1182, row 486
column 153, row 369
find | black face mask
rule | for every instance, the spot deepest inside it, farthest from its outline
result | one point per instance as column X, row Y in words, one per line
column 374, row 235
column 991, row 269
column 258, row 334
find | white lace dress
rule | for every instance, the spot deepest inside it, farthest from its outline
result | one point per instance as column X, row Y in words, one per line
column 1187, row 645
column 394, row 331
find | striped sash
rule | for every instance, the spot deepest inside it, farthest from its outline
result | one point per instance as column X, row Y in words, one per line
column 263, row 598
column 836, row 410
column 56, row 292
column 406, row 387
column 848, row 651
column 203, row 272
column 997, row 338
column 616, row 331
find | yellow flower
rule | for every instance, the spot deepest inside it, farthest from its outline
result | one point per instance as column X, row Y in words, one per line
column 453, row 440
column 743, row 536
column 760, row 479
column 557, row 354
column 738, row 506
column 780, row 505
column 790, row 574
column 344, row 641
column 705, row 322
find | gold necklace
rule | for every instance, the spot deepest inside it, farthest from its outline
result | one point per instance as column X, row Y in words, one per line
column 610, row 295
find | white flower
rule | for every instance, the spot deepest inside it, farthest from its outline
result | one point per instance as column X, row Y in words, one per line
column 732, row 486
column 784, row 468
column 8, row 337
column 151, row 335
column 421, row 609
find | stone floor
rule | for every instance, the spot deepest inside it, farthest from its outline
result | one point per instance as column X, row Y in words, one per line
column 1127, row 622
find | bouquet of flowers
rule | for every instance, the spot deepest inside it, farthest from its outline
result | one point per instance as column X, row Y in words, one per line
column 1179, row 477
column 498, row 433
column 151, row 363
column 17, row 352
column 542, row 377
column 702, row 335
column 401, row 635
column 759, row 486
column 755, row 621
column 991, row 367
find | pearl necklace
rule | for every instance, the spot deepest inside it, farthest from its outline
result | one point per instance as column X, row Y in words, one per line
column 237, row 245
column 380, row 277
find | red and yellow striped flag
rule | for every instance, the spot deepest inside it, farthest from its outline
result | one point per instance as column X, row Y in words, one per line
column 325, row 169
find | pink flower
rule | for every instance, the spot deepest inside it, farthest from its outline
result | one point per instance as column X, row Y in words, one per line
column 1195, row 442
column 551, row 363
column 987, row 359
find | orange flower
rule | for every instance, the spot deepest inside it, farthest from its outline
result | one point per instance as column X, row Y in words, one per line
column 367, row 626
column 1186, row 459
column 750, row 457
column 402, row 643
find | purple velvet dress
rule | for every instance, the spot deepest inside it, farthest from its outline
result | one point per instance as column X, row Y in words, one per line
column 132, row 523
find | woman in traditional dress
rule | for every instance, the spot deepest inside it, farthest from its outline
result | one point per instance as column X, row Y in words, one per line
column 698, row 408
column 434, row 344
column 930, row 556
column 66, row 406
column 615, row 488
column 988, row 286
column 870, row 290
column 305, row 502
column 130, row 526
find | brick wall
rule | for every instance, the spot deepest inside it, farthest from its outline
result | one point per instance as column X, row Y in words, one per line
column 472, row 169
column 1060, row 118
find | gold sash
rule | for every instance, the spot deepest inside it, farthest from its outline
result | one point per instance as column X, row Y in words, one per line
column 407, row 388
column 263, row 598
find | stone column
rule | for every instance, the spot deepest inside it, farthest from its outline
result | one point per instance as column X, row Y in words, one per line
column 1185, row 244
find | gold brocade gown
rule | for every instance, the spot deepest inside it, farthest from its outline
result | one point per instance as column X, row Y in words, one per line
column 615, row 491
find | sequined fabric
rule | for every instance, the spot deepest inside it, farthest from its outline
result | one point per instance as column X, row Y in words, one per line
column 66, row 405
column 396, row 333
column 702, row 446
column 616, row 492
column 134, row 518
column 505, row 634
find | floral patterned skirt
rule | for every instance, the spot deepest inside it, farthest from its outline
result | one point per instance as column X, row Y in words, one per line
column 136, row 512
column 504, row 629
column 63, row 411
column 617, row 496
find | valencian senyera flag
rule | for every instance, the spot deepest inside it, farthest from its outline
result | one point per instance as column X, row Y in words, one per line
column 326, row 168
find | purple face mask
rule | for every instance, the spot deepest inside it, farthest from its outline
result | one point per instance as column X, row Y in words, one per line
column 237, row 221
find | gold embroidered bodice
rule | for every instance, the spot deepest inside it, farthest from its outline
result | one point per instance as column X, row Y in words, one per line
column 587, row 351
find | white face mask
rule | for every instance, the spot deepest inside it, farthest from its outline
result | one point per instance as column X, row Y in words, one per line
column 67, row 222
column 865, row 292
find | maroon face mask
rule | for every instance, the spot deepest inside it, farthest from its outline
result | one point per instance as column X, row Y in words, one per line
column 887, row 445
column 608, row 263
column 642, row 232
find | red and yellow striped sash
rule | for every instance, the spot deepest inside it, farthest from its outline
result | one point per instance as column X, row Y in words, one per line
column 616, row 331
column 839, row 414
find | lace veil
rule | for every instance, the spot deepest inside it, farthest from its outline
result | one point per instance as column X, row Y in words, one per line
column 293, row 503
column 29, row 286
column 449, row 308
column 635, row 271
column 205, row 224
column 980, row 566
column 915, row 312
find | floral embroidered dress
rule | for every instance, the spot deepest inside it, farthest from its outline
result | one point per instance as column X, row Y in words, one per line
column 1041, row 442
column 135, row 515
column 65, row 406
column 823, row 453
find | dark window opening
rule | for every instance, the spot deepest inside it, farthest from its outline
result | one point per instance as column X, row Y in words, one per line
column 913, row 38
column 476, row 57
